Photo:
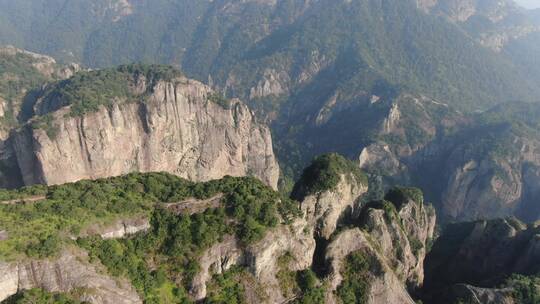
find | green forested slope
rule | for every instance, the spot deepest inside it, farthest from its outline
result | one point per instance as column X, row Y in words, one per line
column 391, row 39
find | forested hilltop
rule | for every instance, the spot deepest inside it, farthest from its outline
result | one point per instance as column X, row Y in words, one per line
column 157, row 238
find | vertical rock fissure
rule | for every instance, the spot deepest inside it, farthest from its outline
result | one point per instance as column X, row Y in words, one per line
column 319, row 257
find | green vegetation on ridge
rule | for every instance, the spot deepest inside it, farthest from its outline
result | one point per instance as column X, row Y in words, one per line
column 39, row 296
column 401, row 195
column 525, row 289
column 356, row 280
column 324, row 174
column 69, row 209
column 175, row 242
column 87, row 91
column 18, row 75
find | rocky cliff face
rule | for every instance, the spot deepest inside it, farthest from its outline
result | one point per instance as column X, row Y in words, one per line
column 260, row 259
column 70, row 271
column 120, row 229
column 474, row 166
column 394, row 234
column 21, row 73
column 396, row 238
column 321, row 214
column 482, row 253
column 324, row 210
column 177, row 129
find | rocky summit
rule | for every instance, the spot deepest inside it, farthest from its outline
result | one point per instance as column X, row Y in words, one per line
column 131, row 120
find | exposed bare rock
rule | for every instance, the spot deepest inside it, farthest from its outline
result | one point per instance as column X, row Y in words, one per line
column 9, row 280
column 119, row 9
column 385, row 287
column 66, row 273
column 496, row 189
column 216, row 260
column 262, row 258
column 323, row 210
column 296, row 240
column 45, row 65
column 483, row 253
column 273, row 84
column 193, row 205
column 477, row 166
column 395, row 239
column 120, row 229
column 380, row 156
column 390, row 123
column 3, row 106
column 426, row 5
column 177, row 130
column 497, row 183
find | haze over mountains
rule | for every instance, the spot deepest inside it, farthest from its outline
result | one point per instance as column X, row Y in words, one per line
column 442, row 95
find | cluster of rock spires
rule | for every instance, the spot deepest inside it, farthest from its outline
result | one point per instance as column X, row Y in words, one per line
column 394, row 233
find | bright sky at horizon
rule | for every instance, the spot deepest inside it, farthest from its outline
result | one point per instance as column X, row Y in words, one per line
column 529, row 3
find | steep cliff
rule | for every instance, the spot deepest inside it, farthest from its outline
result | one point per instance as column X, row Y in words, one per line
column 328, row 191
column 21, row 74
column 69, row 272
column 475, row 166
column 483, row 253
column 124, row 120
column 487, row 254
column 391, row 237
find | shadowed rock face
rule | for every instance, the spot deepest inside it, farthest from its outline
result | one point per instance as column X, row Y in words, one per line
column 483, row 253
column 177, row 129
column 475, row 295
